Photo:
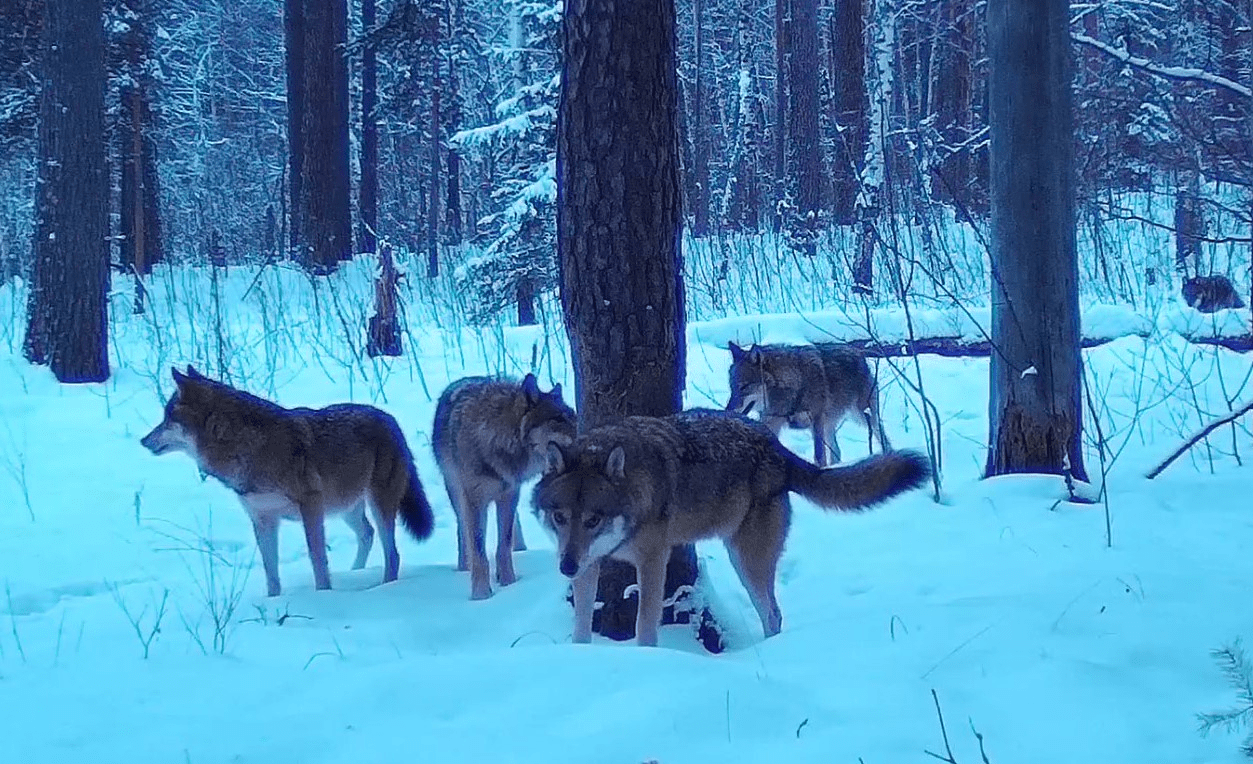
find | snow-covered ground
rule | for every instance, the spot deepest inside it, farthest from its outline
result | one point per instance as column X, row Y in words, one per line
column 1006, row 603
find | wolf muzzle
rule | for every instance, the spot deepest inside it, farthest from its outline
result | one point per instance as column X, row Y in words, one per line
column 569, row 566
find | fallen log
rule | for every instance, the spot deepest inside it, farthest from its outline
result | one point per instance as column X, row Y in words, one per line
column 958, row 347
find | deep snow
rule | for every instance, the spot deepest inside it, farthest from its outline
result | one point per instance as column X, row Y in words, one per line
column 1005, row 602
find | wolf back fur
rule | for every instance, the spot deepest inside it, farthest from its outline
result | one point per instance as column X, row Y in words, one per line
column 634, row 489
column 299, row 464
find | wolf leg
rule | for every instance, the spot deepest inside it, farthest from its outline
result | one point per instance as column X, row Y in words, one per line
column 519, row 543
column 584, row 586
column 265, row 528
column 473, row 531
column 457, row 498
column 360, row 525
column 387, row 537
column 315, row 538
column 506, row 527
column 651, row 572
column 755, row 550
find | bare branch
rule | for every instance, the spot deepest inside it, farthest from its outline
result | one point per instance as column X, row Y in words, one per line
column 1187, row 74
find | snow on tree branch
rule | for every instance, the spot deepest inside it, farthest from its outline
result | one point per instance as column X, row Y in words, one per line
column 1172, row 72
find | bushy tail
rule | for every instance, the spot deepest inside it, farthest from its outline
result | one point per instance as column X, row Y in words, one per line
column 415, row 510
column 861, row 485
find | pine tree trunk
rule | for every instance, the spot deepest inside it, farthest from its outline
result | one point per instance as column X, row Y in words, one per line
column 618, row 231
column 324, row 211
column 294, row 32
column 805, row 150
column 68, row 305
column 1035, row 411
column 848, row 82
column 368, row 194
column 781, row 48
column 432, row 209
column 700, row 142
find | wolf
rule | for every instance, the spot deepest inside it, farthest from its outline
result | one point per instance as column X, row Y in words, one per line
column 490, row 436
column 299, row 464
column 1211, row 293
column 806, row 387
column 635, row 488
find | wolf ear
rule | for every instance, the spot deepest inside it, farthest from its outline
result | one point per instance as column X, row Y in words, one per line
column 192, row 373
column 737, row 352
column 615, row 467
column 530, row 388
column 555, row 393
column 555, row 460
column 179, row 377
column 754, row 356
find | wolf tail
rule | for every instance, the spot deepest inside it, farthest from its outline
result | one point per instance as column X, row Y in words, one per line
column 415, row 510
column 861, row 485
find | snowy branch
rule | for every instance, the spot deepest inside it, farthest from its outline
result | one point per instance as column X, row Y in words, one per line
column 1172, row 72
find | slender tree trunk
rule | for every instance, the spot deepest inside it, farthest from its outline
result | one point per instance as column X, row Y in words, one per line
column 452, row 201
column 325, row 210
column 294, row 32
column 432, row 209
column 1189, row 225
column 368, row 199
column 68, row 305
column 619, row 238
column 781, row 49
column 383, row 329
column 1035, row 411
column 700, row 141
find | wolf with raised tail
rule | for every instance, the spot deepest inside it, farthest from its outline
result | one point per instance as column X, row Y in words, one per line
column 814, row 387
column 299, row 464
column 490, row 436
column 633, row 489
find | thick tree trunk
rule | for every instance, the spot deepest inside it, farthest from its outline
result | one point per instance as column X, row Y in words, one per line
column 294, row 32
column 324, row 212
column 804, row 148
column 700, row 142
column 368, row 194
column 68, row 307
column 1035, row 412
column 618, row 231
column 848, row 81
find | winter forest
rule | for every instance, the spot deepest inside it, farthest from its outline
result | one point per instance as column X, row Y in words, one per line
column 693, row 380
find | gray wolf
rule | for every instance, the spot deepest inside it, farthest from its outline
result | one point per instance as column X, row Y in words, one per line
column 490, row 436
column 299, row 464
column 806, row 387
column 1211, row 293
column 633, row 489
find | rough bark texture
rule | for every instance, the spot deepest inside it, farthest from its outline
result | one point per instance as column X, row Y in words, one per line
column 848, row 80
column 804, row 148
column 294, row 32
column 383, row 329
column 368, row 194
column 68, row 307
column 700, row 142
column 432, row 209
column 618, row 225
column 1035, row 412
column 323, row 213
column 779, row 138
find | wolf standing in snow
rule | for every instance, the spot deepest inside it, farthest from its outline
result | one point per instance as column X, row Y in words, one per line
column 634, row 489
column 299, row 464
column 491, row 436
column 806, row 387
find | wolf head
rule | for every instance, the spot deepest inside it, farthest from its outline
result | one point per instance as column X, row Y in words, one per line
column 580, row 502
column 749, row 378
column 185, row 414
column 547, row 419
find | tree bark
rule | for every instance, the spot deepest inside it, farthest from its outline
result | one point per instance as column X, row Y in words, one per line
column 848, row 80
column 1035, row 411
column 68, row 305
column 804, row 148
column 368, row 194
column 700, row 142
column 781, row 48
column 618, row 231
column 324, row 211
column 294, row 32
column 432, row 209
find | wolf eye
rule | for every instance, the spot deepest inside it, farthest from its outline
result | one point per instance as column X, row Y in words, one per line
column 591, row 522
column 559, row 518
